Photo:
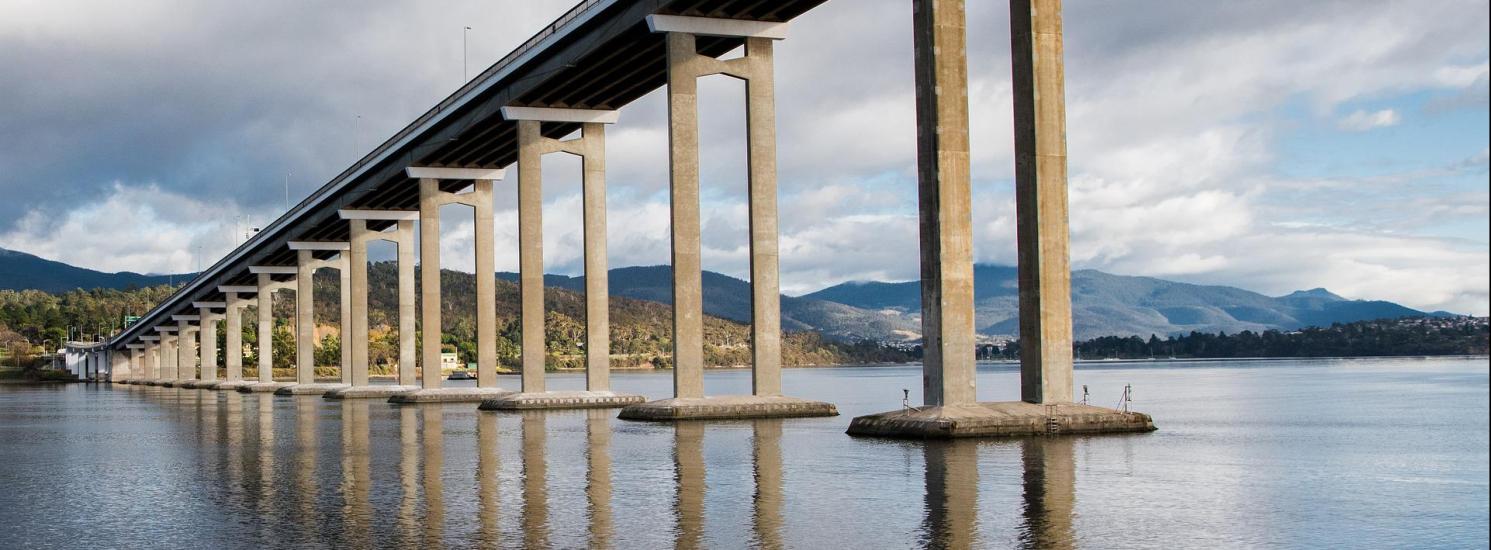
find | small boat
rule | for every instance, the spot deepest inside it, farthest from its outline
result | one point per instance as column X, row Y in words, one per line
column 461, row 375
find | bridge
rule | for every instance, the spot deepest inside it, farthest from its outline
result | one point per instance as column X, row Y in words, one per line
column 573, row 78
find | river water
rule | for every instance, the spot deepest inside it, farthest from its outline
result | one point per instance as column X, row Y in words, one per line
column 1335, row 453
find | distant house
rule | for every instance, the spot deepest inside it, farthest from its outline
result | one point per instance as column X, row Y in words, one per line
column 449, row 361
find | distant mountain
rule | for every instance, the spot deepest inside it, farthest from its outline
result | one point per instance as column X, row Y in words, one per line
column 22, row 271
column 730, row 298
column 1105, row 304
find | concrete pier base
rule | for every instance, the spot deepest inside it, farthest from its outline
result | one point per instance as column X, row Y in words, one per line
column 311, row 389
column 999, row 419
column 448, row 395
column 225, row 385
column 727, row 407
column 263, row 387
column 561, row 400
column 369, row 392
column 196, row 384
column 151, row 382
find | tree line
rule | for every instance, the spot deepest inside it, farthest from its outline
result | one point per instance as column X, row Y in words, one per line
column 1416, row 336
column 641, row 331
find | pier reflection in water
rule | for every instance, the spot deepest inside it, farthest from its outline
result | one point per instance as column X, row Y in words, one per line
column 356, row 468
column 176, row 468
column 289, row 490
column 1047, row 499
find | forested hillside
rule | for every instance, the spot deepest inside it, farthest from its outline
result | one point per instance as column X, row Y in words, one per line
column 641, row 331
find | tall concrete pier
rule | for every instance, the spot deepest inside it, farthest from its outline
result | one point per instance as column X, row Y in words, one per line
column 267, row 286
column 208, row 338
column 437, row 188
column 1041, row 202
column 945, row 201
column 169, row 356
column 234, row 303
column 591, row 148
column 397, row 227
column 307, row 263
column 685, row 66
column 950, row 406
column 206, row 345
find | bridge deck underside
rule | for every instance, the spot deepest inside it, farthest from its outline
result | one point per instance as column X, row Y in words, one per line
column 606, row 61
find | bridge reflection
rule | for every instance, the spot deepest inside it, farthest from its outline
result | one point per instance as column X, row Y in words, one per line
column 1048, row 494
column 421, row 468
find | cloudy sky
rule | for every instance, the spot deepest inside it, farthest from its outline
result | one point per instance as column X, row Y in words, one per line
column 1273, row 145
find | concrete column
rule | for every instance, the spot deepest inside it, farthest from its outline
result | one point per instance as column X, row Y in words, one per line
column 431, row 198
column 137, row 364
column 683, row 170
column 169, row 358
column 486, row 285
column 944, row 201
column 186, row 351
column 233, row 339
column 597, row 278
column 266, row 328
column 345, row 278
column 766, row 307
column 121, row 366
column 531, row 251
column 355, row 321
column 685, row 66
column 590, row 147
column 305, row 318
column 429, row 288
column 152, row 361
column 407, row 327
column 1041, row 201
column 208, row 335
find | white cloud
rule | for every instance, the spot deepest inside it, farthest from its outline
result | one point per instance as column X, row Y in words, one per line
column 1175, row 109
column 1462, row 76
column 1361, row 121
column 140, row 228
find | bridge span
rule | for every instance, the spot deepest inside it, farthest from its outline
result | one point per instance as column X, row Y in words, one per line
column 574, row 76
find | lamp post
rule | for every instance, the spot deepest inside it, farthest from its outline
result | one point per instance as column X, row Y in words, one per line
column 464, row 76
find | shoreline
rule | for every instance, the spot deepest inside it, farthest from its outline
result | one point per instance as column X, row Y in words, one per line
column 1015, row 363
